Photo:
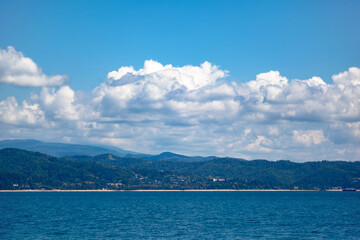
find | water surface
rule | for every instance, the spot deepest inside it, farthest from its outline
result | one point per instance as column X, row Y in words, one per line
column 180, row 215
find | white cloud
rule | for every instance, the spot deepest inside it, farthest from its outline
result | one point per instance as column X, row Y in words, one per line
column 259, row 145
column 59, row 104
column 264, row 80
column 16, row 69
column 193, row 110
column 247, row 131
column 27, row 114
column 350, row 77
column 168, row 77
column 315, row 82
column 309, row 137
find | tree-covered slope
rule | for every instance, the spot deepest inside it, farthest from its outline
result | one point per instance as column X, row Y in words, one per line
column 60, row 149
column 20, row 169
column 240, row 173
column 36, row 170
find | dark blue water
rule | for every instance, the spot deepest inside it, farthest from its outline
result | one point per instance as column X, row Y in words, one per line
column 180, row 215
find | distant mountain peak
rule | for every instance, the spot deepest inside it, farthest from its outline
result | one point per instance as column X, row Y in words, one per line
column 61, row 149
column 171, row 154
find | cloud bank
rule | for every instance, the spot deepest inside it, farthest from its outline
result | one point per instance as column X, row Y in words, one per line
column 16, row 69
column 197, row 110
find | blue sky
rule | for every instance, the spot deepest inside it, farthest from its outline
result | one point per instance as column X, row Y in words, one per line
column 86, row 40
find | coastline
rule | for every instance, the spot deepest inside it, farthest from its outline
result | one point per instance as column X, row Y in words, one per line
column 169, row 190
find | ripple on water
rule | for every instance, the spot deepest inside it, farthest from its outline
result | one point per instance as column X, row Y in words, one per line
column 180, row 215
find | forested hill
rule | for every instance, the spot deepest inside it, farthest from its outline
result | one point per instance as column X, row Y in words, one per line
column 20, row 169
column 60, row 149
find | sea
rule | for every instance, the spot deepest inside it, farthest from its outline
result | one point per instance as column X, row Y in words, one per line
column 180, row 215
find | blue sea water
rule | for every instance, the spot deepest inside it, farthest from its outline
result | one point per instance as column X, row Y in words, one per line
column 180, row 215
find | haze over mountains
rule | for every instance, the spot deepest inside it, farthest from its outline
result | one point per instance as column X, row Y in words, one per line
column 60, row 149
column 66, row 149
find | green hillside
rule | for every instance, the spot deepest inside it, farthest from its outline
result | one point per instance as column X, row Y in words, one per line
column 20, row 169
column 60, row 149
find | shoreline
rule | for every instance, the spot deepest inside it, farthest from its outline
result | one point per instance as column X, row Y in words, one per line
column 171, row 190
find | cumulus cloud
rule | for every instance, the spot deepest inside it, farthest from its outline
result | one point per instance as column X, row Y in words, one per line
column 59, row 104
column 259, row 145
column 26, row 114
column 309, row 137
column 16, row 69
column 350, row 77
column 197, row 110
column 168, row 77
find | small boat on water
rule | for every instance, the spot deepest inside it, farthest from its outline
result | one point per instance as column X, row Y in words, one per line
column 349, row 190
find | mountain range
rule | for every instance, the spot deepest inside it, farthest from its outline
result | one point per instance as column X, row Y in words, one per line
column 66, row 149
column 22, row 169
column 61, row 149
